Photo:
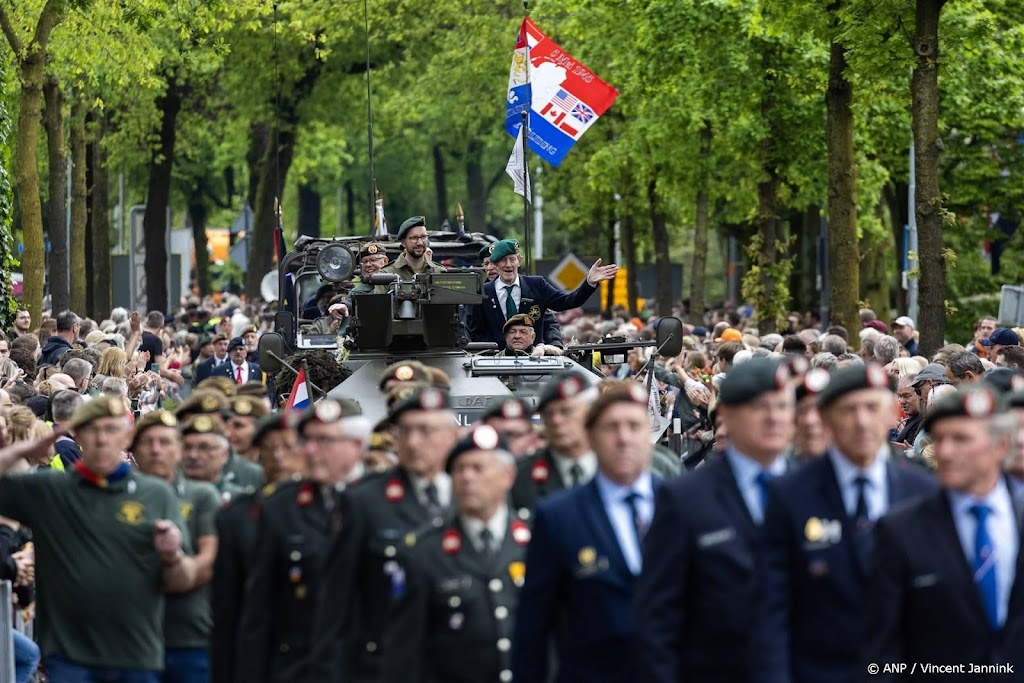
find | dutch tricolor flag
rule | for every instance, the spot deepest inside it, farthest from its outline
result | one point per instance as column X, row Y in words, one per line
column 299, row 398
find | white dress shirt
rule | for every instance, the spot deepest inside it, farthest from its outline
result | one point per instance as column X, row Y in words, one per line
column 1002, row 529
column 442, row 482
column 496, row 525
column 245, row 371
column 876, row 492
column 587, row 463
column 621, row 515
column 501, row 290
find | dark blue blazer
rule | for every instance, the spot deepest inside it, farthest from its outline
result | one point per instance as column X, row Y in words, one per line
column 226, row 369
column 922, row 602
column 487, row 318
column 205, row 368
column 578, row 578
column 697, row 595
column 812, row 592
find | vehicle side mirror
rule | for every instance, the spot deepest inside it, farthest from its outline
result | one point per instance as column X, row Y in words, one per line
column 271, row 352
column 669, row 336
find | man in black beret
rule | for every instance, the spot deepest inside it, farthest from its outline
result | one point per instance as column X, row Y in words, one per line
column 567, row 461
column 363, row 570
column 413, row 259
column 292, row 538
column 817, row 533
column 690, row 623
column 460, row 631
column 951, row 557
column 510, row 417
column 511, row 293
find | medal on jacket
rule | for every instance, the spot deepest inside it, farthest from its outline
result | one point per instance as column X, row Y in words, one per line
column 394, row 491
column 540, row 472
column 305, row 497
column 517, row 572
column 520, row 533
column 451, row 542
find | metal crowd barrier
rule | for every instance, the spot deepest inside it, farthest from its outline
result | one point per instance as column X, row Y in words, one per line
column 6, row 631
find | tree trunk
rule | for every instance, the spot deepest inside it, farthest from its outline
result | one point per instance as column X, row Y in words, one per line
column 310, row 210
column 79, row 208
column 7, row 304
column 844, row 255
column 928, row 201
column 440, row 184
column 772, row 301
column 100, row 219
column 198, row 212
column 258, row 142
column 90, row 166
column 700, row 230
column 609, row 299
column 158, row 199
column 56, row 202
column 476, row 205
column 662, row 266
column 895, row 194
column 629, row 255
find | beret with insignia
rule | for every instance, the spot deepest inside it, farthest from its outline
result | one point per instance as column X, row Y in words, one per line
column 371, row 249
column 565, row 387
column 977, row 401
column 500, row 250
column 752, row 379
column 101, row 406
column 202, row 424
column 485, row 252
column 616, row 392
column 247, row 406
column 520, row 319
column 235, row 343
column 402, row 392
column 270, row 423
column 427, row 398
column 203, row 401
column 328, row 411
column 813, row 383
column 405, row 371
column 156, row 418
column 225, row 386
column 854, row 378
column 480, row 438
column 410, row 223
column 508, row 409
column 248, row 329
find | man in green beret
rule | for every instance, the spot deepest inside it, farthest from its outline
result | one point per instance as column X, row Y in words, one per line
column 511, row 293
column 188, row 621
column 108, row 543
column 488, row 265
column 413, row 259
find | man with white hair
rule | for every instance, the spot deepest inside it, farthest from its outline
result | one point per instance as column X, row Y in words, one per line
column 292, row 540
column 119, row 315
column 485, row 542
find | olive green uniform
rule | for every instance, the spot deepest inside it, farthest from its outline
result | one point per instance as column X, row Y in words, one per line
column 189, row 619
column 240, row 476
column 405, row 271
column 100, row 580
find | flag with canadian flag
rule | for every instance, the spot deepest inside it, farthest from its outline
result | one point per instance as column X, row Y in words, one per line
column 563, row 97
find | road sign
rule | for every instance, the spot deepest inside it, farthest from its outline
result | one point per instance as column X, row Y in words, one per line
column 569, row 273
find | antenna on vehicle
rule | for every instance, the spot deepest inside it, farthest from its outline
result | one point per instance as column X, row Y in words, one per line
column 369, row 118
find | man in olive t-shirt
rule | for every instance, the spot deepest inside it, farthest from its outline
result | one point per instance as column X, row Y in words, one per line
column 108, row 546
column 188, row 620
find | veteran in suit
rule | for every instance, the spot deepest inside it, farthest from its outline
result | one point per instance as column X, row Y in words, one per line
column 817, row 535
column 511, row 294
column 453, row 622
column 697, row 596
column 585, row 555
column 945, row 582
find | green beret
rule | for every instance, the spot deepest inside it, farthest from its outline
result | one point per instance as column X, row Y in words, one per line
column 247, row 406
column 270, row 423
column 426, row 398
column 327, row 411
column 485, row 253
column 156, row 418
column 411, row 223
column 202, row 424
column 101, row 406
column 500, row 250
column 565, row 387
column 405, row 371
column 978, row 401
column 854, row 378
column 508, row 409
column 750, row 380
column 813, row 383
column 480, row 438
column 616, row 392
column 372, row 249
column 518, row 319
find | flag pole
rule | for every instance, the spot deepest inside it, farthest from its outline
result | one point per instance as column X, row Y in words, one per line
column 526, row 147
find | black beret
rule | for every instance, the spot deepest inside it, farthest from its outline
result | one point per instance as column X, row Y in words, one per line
column 327, row 411
column 749, row 380
column 427, row 398
column 616, row 392
column 485, row 252
column 480, row 438
column 410, row 223
column 854, row 378
column 235, row 343
column 567, row 386
column 977, row 400
column 270, row 423
column 508, row 409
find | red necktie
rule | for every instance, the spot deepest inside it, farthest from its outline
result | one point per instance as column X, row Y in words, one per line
column 238, row 374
